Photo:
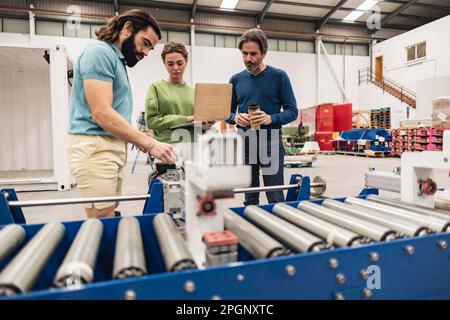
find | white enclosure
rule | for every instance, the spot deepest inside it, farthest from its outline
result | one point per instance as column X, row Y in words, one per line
column 33, row 123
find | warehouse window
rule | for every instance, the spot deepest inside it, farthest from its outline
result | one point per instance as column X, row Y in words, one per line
column 360, row 50
column 49, row 28
column 273, row 44
column 93, row 29
column 204, row 39
column 182, row 37
column 230, row 42
column 219, row 40
column 306, row 47
column 16, row 25
column 291, row 46
column 416, row 51
column 164, row 37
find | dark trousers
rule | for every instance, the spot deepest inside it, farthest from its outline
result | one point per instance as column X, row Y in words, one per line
column 268, row 153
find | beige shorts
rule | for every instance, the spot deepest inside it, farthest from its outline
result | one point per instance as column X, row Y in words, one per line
column 97, row 164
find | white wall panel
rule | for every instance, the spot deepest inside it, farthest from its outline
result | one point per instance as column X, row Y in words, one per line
column 25, row 122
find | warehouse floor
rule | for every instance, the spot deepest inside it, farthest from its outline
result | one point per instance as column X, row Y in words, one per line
column 344, row 176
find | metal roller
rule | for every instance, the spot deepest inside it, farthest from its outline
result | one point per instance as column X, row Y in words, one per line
column 129, row 257
column 259, row 244
column 334, row 235
column 79, row 262
column 22, row 272
column 431, row 222
column 369, row 229
column 408, row 206
column 11, row 237
column 442, row 204
column 402, row 227
column 295, row 238
column 174, row 251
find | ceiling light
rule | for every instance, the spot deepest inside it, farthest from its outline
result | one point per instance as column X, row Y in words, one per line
column 358, row 12
column 229, row 4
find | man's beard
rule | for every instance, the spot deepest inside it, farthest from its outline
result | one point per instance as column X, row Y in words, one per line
column 129, row 52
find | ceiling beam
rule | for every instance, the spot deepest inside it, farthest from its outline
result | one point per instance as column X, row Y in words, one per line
column 264, row 11
column 248, row 13
column 395, row 13
column 328, row 7
column 194, row 9
column 329, row 14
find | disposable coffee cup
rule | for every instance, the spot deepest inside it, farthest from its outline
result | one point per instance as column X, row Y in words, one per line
column 251, row 110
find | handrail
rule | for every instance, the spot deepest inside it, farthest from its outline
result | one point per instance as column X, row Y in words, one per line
column 366, row 75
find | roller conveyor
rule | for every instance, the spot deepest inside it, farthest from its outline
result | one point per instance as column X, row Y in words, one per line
column 78, row 265
column 258, row 243
column 11, row 237
column 431, row 222
column 334, row 235
column 290, row 235
column 403, row 227
column 323, row 274
column 366, row 228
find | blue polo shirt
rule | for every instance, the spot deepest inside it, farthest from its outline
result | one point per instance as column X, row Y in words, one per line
column 101, row 61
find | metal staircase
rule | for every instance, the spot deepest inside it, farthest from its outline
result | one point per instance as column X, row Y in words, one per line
column 387, row 85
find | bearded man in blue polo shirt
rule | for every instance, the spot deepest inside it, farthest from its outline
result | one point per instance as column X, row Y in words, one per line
column 270, row 89
column 101, row 108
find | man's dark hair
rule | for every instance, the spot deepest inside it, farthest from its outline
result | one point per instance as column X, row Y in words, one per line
column 139, row 19
column 255, row 35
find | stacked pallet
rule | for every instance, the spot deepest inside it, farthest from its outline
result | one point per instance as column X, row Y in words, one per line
column 416, row 140
column 380, row 118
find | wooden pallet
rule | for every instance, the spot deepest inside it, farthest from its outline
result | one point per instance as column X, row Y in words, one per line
column 377, row 154
column 298, row 165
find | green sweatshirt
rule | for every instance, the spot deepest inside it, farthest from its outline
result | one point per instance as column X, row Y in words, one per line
column 167, row 105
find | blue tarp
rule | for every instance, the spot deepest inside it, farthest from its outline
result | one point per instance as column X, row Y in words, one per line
column 364, row 134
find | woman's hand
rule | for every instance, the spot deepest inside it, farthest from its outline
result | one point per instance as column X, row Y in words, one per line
column 207, row 124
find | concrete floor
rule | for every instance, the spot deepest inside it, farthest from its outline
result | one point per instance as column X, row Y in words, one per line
column 344, row 176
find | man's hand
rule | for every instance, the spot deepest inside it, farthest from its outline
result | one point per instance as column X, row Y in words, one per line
column 161, row 151
column 207, row 124
column 260, row 117
column 189, row 119
column 242, row 119
column 164, row 152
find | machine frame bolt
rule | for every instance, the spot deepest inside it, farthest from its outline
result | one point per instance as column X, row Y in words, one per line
column 339, row 296
column 333, row 263
column 409, row 249
column 364, row 274
column 130, row 295
column 290, row 270
column 374, row 256
column 189, row 286
column 340, row 278
column 240, row 277
column 367, row 293
column 443, row 244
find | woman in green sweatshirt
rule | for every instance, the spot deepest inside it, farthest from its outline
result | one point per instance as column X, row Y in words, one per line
column 170, row 102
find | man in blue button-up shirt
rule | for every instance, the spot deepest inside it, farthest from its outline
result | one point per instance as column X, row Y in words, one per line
column 101, row 107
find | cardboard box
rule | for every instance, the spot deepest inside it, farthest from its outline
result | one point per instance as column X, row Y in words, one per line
column 441, row 112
